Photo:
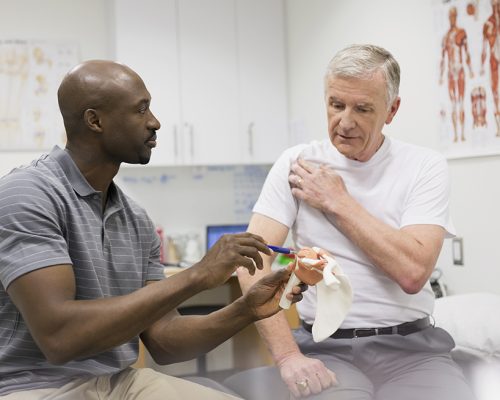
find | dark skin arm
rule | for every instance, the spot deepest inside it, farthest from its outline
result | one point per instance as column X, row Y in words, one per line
column 66, row 329
column 167, row 341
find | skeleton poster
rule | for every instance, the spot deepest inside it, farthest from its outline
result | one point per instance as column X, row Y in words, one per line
column 30, row 73
column 468, row 63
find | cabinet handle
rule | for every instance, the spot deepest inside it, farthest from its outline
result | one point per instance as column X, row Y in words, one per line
column 250, row 138
column 190, row 127
column 176, row 141
column 191, row 137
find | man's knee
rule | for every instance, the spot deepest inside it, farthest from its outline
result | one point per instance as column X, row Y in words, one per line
column 352, row 383
column 447, row 383
column 146, row 383
column 258, row 384
column 344, row 392
column 265, row 383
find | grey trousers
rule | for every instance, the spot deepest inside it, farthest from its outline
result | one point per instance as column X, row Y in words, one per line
column 386, row 367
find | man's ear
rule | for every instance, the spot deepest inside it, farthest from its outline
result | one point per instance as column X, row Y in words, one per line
column 393, row 110
column 92, row 120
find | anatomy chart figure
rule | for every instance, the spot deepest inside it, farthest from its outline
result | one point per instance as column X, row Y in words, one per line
column 14, row 69
column 491, row 41
column 455, row 49
column 478, row 101
column 472, row 8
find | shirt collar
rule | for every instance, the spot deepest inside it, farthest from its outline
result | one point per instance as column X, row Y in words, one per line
column 72, row 172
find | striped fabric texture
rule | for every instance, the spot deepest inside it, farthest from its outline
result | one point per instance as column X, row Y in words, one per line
column 50, row 215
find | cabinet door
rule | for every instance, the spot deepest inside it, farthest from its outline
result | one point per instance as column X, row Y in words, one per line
column 146, row 40
column 209, row 81
column 262, row 72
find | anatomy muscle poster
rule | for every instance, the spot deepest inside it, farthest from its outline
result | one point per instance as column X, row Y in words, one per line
column 468, row 63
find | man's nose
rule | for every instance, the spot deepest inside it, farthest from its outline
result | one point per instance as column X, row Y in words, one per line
column 154, row 123
column 346, row 121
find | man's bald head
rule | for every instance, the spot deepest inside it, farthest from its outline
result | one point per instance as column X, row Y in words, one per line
column 95, row 84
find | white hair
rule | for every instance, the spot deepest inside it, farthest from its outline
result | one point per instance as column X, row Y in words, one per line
column 362, row 61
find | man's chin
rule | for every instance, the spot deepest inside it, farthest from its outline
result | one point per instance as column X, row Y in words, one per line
column 144, row 160
column 145, row 157
column 345, row 150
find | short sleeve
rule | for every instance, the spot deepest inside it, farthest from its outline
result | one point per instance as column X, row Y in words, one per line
column 276, row 200
column 428, row 201
column 30, row 232
column 154, row 269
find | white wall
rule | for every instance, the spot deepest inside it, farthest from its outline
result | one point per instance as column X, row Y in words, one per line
column 317, row 29
column 184, row 200
column 85, row 22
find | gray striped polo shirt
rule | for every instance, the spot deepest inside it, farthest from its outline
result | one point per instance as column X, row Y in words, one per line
column 50, row 215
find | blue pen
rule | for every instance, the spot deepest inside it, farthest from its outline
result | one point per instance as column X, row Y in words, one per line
column 282, row 250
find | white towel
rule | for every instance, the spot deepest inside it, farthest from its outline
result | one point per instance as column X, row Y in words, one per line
column 333, row 297
column 333, row 300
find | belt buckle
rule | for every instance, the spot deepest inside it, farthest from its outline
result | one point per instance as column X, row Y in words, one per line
column 364, row 332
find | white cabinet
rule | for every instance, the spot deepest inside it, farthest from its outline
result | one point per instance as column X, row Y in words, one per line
column 216, row 72
column 209, row 81
column 262, row 76
column 146, row 40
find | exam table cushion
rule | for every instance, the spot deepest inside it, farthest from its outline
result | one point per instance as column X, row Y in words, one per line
column 472, row 320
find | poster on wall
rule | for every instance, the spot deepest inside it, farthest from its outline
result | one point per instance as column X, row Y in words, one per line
column 30, row 73
column 468, row 32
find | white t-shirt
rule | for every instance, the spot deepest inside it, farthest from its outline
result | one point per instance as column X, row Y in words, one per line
column 402, row 184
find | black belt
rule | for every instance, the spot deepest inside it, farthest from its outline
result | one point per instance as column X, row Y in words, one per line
column 401, row 329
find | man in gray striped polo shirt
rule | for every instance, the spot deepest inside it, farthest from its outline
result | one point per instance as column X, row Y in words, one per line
column 79, row 261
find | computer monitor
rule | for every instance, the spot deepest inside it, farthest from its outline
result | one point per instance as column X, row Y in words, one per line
column 214, row 232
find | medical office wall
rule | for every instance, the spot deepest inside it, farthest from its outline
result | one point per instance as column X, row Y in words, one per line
column 319, row 28
column 43, row 38
column 315, row 30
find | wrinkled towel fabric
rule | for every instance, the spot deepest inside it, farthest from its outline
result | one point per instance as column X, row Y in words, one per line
column 333, row 298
